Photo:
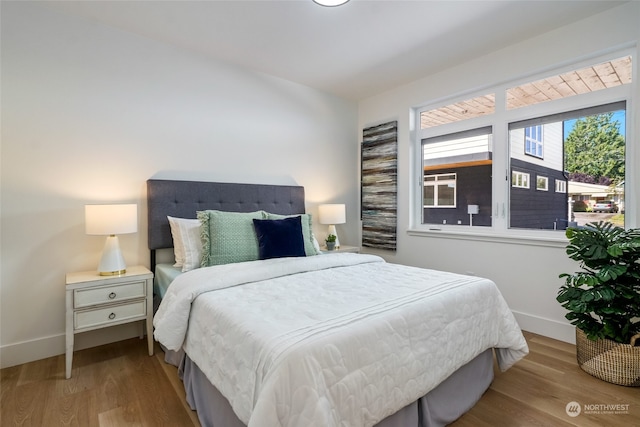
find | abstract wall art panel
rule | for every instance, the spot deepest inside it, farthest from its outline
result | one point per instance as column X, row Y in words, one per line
column 379, row 186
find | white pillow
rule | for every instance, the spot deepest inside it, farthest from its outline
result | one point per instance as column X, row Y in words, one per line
column 316, row 245
column 187, row 245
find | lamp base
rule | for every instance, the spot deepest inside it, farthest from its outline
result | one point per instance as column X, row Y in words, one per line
column 112, row 262
column 112, row 273
column 332, row 230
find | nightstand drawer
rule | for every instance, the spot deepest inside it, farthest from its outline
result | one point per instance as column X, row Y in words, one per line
column 113, row 314
column 107, row 294
column 94, row 302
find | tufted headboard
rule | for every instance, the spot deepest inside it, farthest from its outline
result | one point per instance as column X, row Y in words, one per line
column 183, row 198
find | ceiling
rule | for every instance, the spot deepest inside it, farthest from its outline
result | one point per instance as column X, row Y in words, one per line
column 355, row 51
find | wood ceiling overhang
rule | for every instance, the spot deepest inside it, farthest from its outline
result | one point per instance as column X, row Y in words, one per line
column 589, row 79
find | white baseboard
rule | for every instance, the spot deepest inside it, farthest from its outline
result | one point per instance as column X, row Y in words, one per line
column 29, row 351
column 561, row 331
column 42, row 348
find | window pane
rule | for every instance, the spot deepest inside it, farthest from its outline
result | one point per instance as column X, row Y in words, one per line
column 446, row 195
column 585, row 158
column 589, row 79
column 542, row 183
column 533, row 141
column 600, row 176
column 457, row 171
column 468, row 109
column 429, row 192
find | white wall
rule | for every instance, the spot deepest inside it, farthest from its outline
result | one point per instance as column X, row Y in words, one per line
column 89, row 113
column 529, row 287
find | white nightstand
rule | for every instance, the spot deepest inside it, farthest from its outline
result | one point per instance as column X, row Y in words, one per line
column 95, row 302
column 342, row 248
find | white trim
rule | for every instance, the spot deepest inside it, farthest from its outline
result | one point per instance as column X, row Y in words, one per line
column 520, row 237
column 54, row 345
column 561, row 331
column 545, row 179
column 520, row 179
column 29, row 351
column 436, row 183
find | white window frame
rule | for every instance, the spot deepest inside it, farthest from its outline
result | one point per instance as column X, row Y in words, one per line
column 435, row 190
column 542, row 179
column 534, row 146
column 520, row 179
column 561, row 186
column 499, row 230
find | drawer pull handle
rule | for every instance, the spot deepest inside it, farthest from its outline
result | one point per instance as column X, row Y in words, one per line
column 112, row 316
column 112, row 295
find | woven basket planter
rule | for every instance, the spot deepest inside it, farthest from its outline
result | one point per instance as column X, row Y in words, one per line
column 608, row 360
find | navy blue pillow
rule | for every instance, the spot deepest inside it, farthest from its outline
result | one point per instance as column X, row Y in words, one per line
column 279, row 238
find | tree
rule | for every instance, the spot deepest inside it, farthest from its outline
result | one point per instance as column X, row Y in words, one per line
column 583, row 177
column 596, row 148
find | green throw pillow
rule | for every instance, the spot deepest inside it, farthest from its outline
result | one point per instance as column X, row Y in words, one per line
column 228, row 237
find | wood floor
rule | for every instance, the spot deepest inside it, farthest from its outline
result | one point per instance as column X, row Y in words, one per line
column 120, row 385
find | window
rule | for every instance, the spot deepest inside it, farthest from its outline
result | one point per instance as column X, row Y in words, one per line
column 533, row 141
column 568, row 129
column 456, row 172
column 582, row 147
column 519, row 179
column 440, row 191
column 542, row 183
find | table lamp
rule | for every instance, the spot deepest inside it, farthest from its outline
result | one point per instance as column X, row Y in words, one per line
column 110, row 220
column 332, row 214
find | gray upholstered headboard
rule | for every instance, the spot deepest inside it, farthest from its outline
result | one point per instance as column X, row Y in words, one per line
column 183, row 198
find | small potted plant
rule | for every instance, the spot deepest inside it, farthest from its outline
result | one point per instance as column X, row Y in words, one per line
column 331, row 242
column 603, row 300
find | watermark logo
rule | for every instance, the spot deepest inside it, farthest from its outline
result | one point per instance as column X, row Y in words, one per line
column 606, row 409
column 573, row 409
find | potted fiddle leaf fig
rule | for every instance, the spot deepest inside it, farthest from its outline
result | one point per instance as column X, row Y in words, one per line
column 603, row 300
column 331, row 242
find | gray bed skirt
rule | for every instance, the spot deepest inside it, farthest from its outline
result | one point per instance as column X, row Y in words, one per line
column 441, row 406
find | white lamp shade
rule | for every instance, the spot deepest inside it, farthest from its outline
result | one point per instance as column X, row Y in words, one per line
column 332, row 214
column 110, row 220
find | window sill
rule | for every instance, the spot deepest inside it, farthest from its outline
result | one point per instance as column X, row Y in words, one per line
column 516, row 237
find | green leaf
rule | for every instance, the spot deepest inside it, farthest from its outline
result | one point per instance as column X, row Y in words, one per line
column 587, row 296
column 603, row 298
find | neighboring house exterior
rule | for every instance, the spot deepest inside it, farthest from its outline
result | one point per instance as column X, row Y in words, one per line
column 594, row 193
column 458, row 171
column 538, row 196
column 457, row 174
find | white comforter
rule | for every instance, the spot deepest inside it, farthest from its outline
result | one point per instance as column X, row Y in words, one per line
column 332, row 340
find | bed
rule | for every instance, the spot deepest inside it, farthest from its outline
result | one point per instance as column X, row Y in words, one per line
column 324, row 340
